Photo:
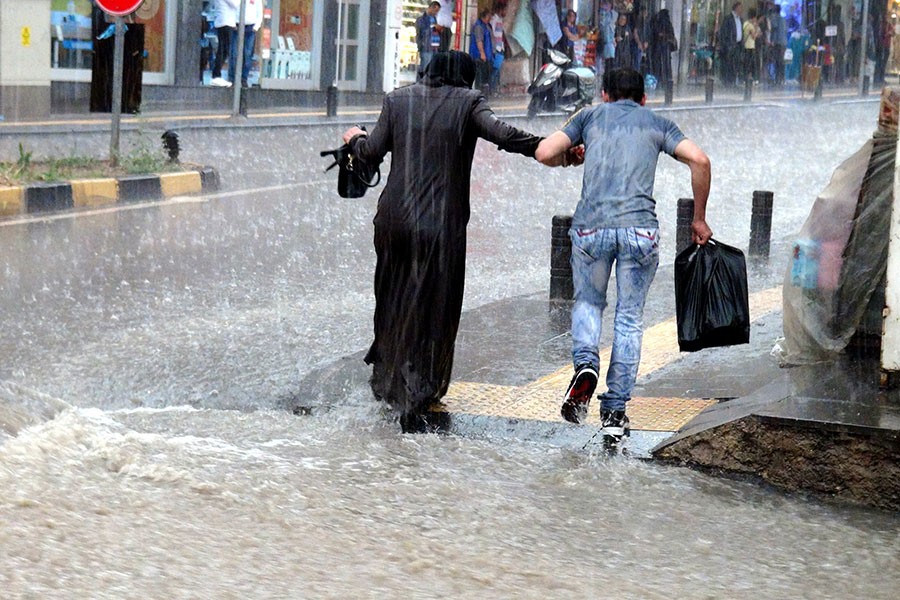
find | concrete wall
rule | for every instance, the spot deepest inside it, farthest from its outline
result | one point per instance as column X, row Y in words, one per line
column 24, row 59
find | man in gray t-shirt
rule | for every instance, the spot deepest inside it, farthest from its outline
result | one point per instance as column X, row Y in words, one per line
column 615, row 224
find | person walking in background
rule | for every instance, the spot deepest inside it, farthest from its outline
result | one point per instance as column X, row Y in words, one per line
column 885, row 35
column 253, row 18
column 481, row 48
column 570, row 31
column 428, row 40
column 751, row 33
column 226, row 22
column 607, row 24
column 499, row 44
column 431, row 129
column 730, row 37
column 445, row 19
column 624, row 37
column 641, row 39
column 778, row 38
column 615, row 224
column 662, row 44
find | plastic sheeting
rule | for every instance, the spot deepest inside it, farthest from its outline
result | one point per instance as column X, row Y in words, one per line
column 840, row 255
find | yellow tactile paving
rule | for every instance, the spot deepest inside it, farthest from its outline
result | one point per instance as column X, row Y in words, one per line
column 540, row 399
column 11, row 201
column 94, row 192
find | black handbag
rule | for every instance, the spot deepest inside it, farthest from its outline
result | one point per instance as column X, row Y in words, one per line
column 354, row 175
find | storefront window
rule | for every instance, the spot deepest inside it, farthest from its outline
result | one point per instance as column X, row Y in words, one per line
column 70, row 34
column 152, row 13
column 290, row 42
column 72, row 45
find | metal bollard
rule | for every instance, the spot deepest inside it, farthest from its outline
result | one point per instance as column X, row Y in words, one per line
column 683, row 224
column 865, row 86
column 817, row 95
column 748, row 90
column 331, row 101
column 710, row 84
column 670, row 91
column 561, row 287
column 761, row 224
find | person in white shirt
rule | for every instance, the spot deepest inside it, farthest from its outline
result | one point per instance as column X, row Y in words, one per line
column 253, row 18
column 499, row 44
column 225, row 23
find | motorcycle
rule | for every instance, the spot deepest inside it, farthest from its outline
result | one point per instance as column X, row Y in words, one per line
column 560, row 86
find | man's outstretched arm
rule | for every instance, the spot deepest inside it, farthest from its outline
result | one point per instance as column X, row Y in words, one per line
column 552, row 150
column 701, row 175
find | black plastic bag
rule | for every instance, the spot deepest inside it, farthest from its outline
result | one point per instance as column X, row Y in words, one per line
column 354, row 175
column 711, row 304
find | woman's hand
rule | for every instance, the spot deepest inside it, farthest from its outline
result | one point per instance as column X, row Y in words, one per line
column 351, row 133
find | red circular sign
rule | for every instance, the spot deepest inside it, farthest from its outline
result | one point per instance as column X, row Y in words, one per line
column 119, row 8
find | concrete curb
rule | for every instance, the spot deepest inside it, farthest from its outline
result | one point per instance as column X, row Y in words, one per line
column 89, row 193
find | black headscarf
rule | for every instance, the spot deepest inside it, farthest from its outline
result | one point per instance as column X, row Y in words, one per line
column 453, row 68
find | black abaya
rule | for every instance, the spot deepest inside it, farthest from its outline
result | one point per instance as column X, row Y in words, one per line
column 431, row 129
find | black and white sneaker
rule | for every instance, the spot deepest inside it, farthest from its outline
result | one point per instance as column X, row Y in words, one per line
column 614, row 423
column 578, row 396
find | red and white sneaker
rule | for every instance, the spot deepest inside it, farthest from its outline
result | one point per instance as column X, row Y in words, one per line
column 578, row 396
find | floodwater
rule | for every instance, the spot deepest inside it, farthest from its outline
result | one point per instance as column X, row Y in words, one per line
column 145, row 353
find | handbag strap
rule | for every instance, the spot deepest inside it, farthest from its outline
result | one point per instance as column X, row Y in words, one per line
column 360, row 177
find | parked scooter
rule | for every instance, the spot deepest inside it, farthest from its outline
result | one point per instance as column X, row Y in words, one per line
column 560, row 86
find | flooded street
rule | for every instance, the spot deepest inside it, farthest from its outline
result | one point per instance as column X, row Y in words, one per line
column 146, row 352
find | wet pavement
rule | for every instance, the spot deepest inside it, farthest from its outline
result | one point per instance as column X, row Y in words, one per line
column 148, row 355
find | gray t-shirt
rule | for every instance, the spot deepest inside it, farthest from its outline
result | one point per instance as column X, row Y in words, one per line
column 622, row 142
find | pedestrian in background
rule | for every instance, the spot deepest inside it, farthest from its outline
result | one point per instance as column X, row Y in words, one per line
column 730, row 46
column 430, row 128
column 428, row 39
column 641, row 40
column 481, row 48
column 499, row 44
column 751, row 33
column 253, row 18
column 608, row 18
column 615, row 224
column 225, row 22
column 778, row 37
column 624, row 37
column 570, row 31
column 662, row 44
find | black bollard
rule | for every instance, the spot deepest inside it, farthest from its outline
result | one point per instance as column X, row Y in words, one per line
column 331, row 101
column 817, row 95
column 683, row 224
column 710, row 84
column 670, row 91
column 748, row 90
column 561, row 287
column 761, row 224
column 865, row 86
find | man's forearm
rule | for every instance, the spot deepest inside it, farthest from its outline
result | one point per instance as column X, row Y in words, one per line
column 701, row 178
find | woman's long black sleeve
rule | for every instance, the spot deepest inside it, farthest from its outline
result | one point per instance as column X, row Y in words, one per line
column 507, row 137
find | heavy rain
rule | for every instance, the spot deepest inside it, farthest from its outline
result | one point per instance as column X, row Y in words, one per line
column 154, row 356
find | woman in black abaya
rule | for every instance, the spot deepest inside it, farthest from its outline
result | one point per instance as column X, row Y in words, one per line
column 431, row 129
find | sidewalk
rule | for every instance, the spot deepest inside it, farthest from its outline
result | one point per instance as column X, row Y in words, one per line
column 508, row 106
column 824, row 428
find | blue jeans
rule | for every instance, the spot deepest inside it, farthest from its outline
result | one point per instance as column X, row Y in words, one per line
column 635, row 252
column 249, row 41
column 424, row 60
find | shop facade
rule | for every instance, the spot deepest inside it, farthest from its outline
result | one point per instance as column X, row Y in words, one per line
column 298, row 51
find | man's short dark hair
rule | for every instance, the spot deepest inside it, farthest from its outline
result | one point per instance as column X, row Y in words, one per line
column 433, row 4
column 623, row 84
